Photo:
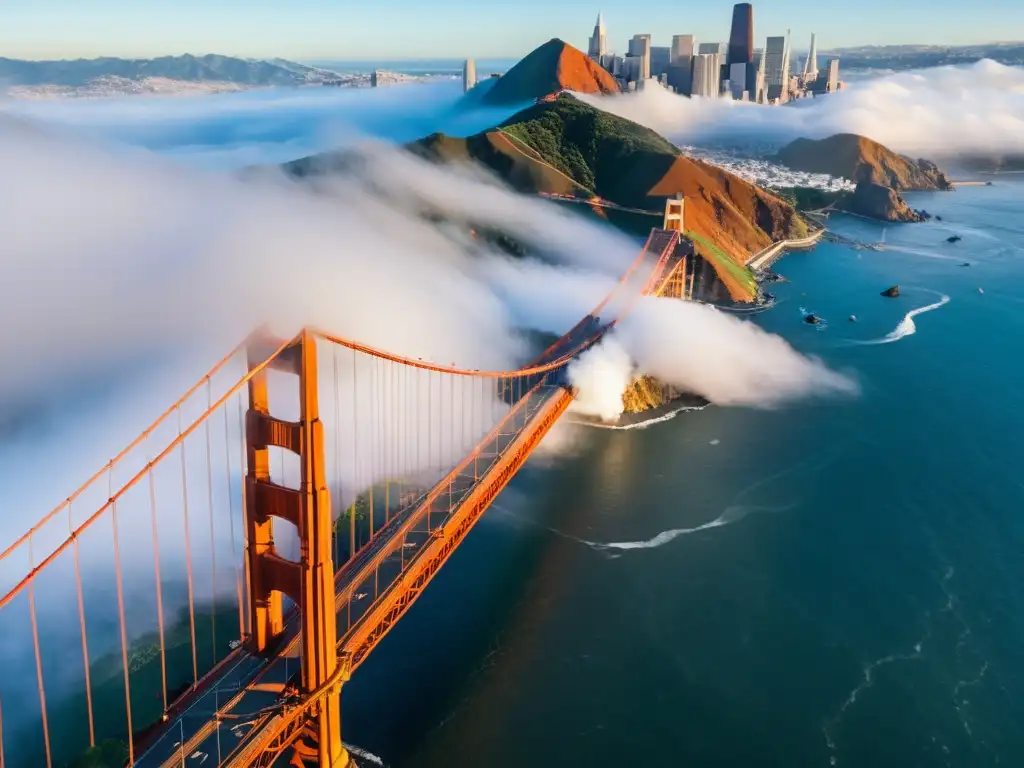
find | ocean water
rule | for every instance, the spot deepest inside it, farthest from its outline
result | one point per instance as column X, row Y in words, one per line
column 833, row 583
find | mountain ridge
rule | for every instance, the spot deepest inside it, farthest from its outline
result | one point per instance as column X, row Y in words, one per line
column 186, row 67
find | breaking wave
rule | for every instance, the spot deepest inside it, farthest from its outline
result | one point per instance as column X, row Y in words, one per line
column 732, row 514
column 642, row 424
column 906, row 326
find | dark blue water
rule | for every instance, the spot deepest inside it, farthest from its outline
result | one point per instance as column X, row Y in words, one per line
column 859, row 603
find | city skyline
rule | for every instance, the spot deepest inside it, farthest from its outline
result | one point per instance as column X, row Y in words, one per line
column 450, row 28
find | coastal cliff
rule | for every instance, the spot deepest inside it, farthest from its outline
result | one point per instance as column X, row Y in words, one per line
column 859, row 159
column 877, row 201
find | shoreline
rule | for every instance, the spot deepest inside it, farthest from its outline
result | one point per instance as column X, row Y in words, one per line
column 768, row 256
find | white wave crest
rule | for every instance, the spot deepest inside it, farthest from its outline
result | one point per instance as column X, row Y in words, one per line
column 906, row 326
column 732, row 514
column 641, row 424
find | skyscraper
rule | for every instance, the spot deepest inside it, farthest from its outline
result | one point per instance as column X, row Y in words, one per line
column 785, row 71
column 682, row 48
column 738, row 84
column 660, row 57
column 832, row 82
column 720, row 51
column 468, row 75
column 680, row 68
column 640, row 51
column 599, row 40
column 757, row 89
column 741, row 37
column 706, row 75
column 776, row 73
column 811, row 65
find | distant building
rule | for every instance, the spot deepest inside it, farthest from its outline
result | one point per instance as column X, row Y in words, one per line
column 682, row 48
column 613, row 64
column 598, row 41
column 706, row 75
column 811, row 65
column 738, row 79
column 379, row 78
column 719, row 48
column 741, row 36
column 468, row 75
column 680, row 67
column 776, row 56
column 638, row 60
column 660, row 56
column 828, row 79
column 757, row 89
column 785, row 70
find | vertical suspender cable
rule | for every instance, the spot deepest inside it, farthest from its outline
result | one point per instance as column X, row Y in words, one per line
column 389, row 446
column 231, row 525
column 85, row 644
column 245, row 533
column 355, row 468
column 188, row 558
column 374, row 436
column 337, row 453
column 213, row 540
column 454, row 457
column 124, row 636
column 159, row 587
column 39, row 660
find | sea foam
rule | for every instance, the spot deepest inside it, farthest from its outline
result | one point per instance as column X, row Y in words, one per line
column 906, row 326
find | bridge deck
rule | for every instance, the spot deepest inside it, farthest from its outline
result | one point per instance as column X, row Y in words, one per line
column 245, row 697
column 247, row 691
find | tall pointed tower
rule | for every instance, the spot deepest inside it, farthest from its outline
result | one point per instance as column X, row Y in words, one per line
column 599, row 40
column 811, row 65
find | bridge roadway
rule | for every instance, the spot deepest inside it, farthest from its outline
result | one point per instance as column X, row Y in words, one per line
column 230, row 707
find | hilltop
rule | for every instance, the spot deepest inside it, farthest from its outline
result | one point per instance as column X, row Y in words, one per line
column 860, row 159
column 552, row 67
column 566, row 147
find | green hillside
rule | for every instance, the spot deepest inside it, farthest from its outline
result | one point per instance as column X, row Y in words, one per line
column 615, row 158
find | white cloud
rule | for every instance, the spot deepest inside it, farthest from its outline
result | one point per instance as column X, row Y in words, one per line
column 969, row 109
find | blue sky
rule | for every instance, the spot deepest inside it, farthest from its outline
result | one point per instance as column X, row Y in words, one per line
column 355, row 29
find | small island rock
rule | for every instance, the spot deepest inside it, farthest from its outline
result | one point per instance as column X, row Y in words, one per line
column 891, row 292
column 954, row 239
column 812, row 319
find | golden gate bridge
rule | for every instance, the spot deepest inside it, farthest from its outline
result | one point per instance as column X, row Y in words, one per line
column 301, row 535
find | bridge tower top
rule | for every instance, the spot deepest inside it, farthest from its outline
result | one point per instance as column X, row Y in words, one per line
column 674, row 213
